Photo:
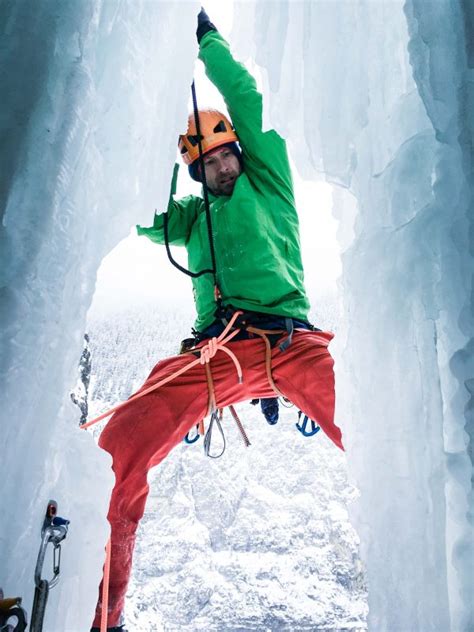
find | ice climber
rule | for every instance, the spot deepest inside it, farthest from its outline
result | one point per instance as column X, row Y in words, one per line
column 259, row 272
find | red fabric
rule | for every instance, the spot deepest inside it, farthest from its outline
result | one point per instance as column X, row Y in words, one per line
column 140, row 436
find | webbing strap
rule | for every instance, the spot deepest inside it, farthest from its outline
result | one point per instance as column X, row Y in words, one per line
column 290, row 329
column 268, row 354
column 210, row 389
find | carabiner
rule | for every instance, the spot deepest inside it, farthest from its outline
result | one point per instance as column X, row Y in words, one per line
column 189, row 440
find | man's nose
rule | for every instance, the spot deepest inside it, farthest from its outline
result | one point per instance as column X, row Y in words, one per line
column 223, row 166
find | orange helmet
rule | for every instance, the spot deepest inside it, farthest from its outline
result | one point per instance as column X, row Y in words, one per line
column 216, row 130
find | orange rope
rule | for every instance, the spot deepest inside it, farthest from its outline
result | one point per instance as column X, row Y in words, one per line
column 105, row 588
column 208, row 351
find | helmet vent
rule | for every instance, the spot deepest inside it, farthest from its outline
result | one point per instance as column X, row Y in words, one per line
column 220, row 127
column 194, row 139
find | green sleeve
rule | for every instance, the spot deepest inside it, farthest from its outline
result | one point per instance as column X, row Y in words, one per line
column 181, row 216
column 263, row 152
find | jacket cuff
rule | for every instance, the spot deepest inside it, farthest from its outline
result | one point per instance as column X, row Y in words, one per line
column 203, row 28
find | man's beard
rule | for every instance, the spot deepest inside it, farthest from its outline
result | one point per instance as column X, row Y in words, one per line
column 226, row 187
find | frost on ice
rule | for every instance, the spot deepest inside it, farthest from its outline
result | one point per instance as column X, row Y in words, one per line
column 378, row 98
column 90, row 90
column 374, row 96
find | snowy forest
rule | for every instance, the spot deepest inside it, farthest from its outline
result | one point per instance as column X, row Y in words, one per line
column 375, row 99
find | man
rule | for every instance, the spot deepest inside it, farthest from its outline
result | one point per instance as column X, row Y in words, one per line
column 258, row 271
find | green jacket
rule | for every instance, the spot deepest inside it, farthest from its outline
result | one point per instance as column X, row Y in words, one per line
column 256, row 236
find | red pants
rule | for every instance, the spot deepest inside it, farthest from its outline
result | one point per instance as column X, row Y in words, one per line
column 141, row 435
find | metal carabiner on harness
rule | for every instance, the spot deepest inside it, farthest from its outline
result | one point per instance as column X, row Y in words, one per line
column 303, row 423
column 216, row 418
column 53, row 531
column 190, row 440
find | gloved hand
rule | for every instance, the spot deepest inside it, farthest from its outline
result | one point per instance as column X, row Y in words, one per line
column 204, row 25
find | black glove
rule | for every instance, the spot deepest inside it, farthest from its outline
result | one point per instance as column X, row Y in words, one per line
column 204, row 25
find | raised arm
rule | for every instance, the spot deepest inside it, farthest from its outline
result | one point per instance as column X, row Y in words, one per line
column 263, row 152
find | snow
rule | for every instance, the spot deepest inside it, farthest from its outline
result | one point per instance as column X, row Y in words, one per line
column 376, row 97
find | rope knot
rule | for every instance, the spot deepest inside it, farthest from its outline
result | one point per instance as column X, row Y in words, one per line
column 209, row 350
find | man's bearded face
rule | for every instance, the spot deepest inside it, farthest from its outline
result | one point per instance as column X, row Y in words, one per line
column 222, row 169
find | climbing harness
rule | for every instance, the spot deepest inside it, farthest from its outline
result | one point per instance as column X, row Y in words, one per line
column 206, row 353
column 302, row 425
column 53, row 532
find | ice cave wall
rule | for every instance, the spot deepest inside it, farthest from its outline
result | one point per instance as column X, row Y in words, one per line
column 93, row 97
column 378, row 98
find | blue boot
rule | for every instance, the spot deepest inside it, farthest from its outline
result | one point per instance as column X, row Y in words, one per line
column 269, row 406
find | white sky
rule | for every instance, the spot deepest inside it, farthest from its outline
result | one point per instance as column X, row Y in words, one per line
column 138, row 271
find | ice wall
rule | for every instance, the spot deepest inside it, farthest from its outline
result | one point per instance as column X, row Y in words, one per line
column 378, row 98
column 94, row 94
